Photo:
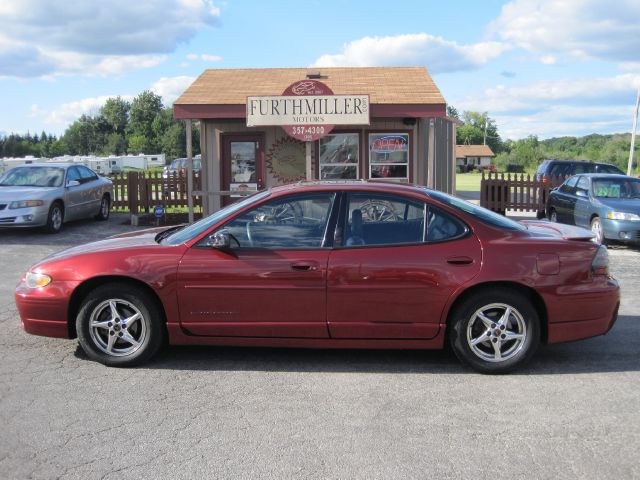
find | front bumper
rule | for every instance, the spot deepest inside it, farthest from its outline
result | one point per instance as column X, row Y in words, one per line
column 45, row 311
column 24, row 217
column 621, row 230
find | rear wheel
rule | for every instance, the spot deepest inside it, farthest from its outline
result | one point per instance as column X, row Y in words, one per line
column 55, row 218
column 120, row 325
column 495, row 331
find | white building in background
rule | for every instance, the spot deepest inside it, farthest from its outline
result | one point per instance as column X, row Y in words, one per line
column 473, row 156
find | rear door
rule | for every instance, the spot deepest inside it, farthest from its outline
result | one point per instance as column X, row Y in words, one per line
column 391, row 277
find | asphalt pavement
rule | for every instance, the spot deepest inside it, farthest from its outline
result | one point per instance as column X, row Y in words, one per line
column 573, row 412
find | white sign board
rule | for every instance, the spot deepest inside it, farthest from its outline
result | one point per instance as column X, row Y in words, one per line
column 308, row 110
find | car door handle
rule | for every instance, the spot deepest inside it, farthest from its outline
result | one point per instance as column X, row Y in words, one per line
column 305, row 266
column 459, row 260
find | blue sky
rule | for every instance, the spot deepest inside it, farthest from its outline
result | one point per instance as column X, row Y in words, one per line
column 546, row 68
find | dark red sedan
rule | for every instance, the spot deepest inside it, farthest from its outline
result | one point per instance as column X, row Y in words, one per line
column 340, row 265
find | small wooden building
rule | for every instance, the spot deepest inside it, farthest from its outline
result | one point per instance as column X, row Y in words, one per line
column 403, row 134
column 470, row 157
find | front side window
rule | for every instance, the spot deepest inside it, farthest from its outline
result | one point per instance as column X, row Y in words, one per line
column 389, row 156
column 295, row 222
column 339, row 156
column 86, row 175
column 374, row 219
column 583, row 184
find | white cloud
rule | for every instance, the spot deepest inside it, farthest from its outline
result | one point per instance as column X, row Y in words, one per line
column 67, row 113
column 559, row 107
column 169, row 88
column 40, row 37
column 578, row 28
column 437, row 54
column 204, row 57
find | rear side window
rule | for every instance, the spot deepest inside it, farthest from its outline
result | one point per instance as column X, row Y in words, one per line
column 374, row 219
column 442, row 226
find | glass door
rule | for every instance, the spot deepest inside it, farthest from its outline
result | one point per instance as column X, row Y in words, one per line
column 242, row 166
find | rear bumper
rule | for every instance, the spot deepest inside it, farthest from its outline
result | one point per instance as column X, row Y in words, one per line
column 575, row 312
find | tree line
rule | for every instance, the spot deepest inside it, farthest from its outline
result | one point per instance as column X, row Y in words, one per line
column 527, row 153
column 120, row 127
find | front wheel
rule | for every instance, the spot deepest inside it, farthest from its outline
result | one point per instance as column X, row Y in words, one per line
column 553, row 216
column 105, row 209
column 596, row 229
column 55, row 218
column 120, row 325
column 495, row 332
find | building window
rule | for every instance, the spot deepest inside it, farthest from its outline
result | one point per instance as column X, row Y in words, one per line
column 339, row 156
column 389, row 156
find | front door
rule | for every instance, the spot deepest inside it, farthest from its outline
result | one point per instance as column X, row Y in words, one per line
column 242, row 164
column 272, row 283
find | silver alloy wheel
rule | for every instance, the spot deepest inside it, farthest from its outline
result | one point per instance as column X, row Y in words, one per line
column 104, row 207
column 56, row 218
column 496, row 332
column 117, row 327
column 553, row 216
column 596, row 228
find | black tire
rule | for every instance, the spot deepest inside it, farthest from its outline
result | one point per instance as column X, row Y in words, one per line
column 516, row 343
column 105, row 208
column 101, row 333
column 55, row 219
column 553, row 216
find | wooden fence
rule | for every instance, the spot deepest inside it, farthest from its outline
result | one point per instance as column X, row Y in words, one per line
column 140, row 191
column 515, row 192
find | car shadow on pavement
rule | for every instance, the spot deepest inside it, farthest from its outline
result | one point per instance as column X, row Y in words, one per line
column 73, row 233
column 618, row 351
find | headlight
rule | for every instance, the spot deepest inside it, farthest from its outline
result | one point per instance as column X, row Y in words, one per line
column 37, row 280
column 623, row 216
column 26, row 204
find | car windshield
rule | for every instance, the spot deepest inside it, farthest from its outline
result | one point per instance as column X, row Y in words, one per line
column 481, row 213
column 33, row 177
column 197, row 228
column 615, row 188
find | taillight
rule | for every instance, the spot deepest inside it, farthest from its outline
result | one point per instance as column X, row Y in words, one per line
column 600, row 263
column 544, row 179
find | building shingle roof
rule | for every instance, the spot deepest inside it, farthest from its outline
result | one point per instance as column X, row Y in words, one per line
column 385, row 85
column 474, row 151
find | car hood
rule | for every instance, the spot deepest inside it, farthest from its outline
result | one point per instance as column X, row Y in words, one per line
column 126, row 241
column 24, row 193
column 558, row 230
column 629, row 205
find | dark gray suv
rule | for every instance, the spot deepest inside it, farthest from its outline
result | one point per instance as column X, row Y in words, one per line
column 567, row 168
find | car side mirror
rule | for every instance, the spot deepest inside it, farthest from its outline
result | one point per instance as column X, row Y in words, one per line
column 220, row 239
column 73, row 183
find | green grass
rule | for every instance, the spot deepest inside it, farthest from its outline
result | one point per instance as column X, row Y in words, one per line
column 468, row 181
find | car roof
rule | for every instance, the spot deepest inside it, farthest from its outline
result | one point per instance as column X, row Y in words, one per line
column 617, row 176
column 380, row 186
column 49, row 164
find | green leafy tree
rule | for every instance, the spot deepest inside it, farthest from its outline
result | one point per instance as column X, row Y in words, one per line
column 144, row 109
column 116, row 113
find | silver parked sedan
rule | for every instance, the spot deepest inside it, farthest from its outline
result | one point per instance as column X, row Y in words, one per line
column 49, row 194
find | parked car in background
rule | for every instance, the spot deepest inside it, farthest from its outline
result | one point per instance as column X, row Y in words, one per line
column 334, row 265
column 567, row 168
column 607, row 204
column 50, row 194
